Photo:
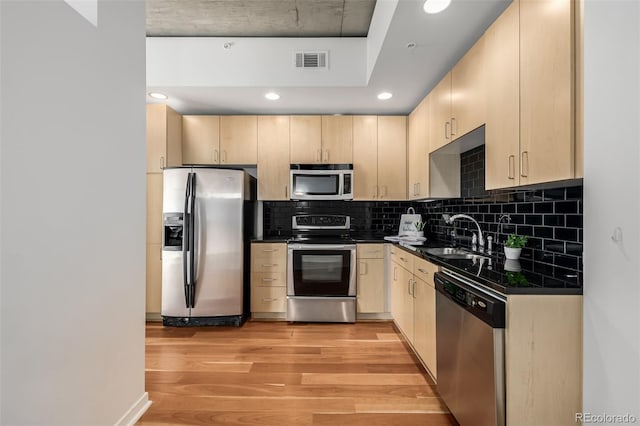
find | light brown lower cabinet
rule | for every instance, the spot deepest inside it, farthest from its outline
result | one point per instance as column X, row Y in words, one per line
column 154, row 279
column 268, row 277
column 370, row 281
column 413, row 306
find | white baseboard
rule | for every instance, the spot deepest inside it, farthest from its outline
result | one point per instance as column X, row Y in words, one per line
column 136, row 411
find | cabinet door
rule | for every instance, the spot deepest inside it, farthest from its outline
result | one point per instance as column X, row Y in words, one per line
column 441, row 113
column 174, row 138
column 546, row 91
column 154, row 208
column 468, row 92
column 502, row 131
column 337, row 139
column 365, row 157
column 273, row 157
column 238, row 139
column 156, row 138
column 306, row 139
column 418, row 151
column 200, row 139
column 425, row 323
column 370, row 285
column 154, row 279
column 392, row 157
column 402, row 300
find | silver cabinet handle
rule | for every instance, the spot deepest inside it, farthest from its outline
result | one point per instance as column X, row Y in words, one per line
column 446, row 130
column 269, row 265
column 161, row 163
column 423, row 271
column 413, row 288
column 384, row 191
column 403, row 259
column 511, row 172
column 268, row 280
column 269, row 250
column 286, row 192
column 269, row 300
column 410, row 286
column 525, row 160
column 363, row 268
column 318, row 154
column 224, row 155
column 326, row 157
column 375, row 192
column 215, row 155
column 453, row 120
column 395, row 273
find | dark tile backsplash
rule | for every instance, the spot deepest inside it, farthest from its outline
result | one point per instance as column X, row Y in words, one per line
column 472, row 173
column 552, row 218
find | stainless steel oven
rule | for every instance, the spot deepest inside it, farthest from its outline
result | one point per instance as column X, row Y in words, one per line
column 321, row 272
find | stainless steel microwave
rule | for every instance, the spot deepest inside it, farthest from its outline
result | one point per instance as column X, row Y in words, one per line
column 321, row 182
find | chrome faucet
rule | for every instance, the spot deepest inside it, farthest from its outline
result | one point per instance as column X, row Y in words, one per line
column 449, row 219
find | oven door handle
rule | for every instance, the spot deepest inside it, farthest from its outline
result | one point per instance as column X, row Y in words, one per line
column 321, row 246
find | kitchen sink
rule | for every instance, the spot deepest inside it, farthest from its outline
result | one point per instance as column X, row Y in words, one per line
column 453, row 253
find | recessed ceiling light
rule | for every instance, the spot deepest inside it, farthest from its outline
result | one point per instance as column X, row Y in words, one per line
column 272, row 96
column 158, row 95
column 384, row 96
column 436, row 6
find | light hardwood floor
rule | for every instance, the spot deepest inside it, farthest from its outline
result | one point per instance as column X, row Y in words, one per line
column 276, row 373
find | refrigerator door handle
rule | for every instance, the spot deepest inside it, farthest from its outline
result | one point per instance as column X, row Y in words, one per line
column 192, row 248
column 185, row 243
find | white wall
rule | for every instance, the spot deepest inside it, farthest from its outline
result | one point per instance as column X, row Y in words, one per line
column 612, row 199
column 72, row 188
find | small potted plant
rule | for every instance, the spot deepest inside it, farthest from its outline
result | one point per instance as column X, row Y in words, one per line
column 513, row 246
column 419, row 228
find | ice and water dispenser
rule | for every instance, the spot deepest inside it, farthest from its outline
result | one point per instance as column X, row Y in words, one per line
column 172, row 227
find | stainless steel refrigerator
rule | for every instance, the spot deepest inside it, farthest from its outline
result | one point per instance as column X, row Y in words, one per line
column 207, row 221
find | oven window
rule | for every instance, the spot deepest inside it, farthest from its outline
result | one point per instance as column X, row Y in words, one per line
column 316, row 184
column 321, row 272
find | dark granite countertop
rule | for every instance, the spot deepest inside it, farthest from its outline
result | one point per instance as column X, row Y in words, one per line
column 496, row 274
column 272, row 239
column 507, row 277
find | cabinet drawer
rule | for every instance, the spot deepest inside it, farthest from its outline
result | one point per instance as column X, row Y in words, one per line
column 424, row 270
column 268, row 299
column 370, row 251
column 402, row 258
column 268, row 257
column 268, row 279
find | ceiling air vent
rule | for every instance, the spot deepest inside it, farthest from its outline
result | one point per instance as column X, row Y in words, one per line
column 312, row 60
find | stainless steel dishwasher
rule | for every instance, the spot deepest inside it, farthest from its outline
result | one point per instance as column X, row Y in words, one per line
column 470, row 324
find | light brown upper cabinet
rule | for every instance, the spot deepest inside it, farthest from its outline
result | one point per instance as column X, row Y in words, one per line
column 273, row 157
column 440, row 113
column 457, row 102
column 530, row 130
column 418, row 151
column 468, row 92
column 306, row 139
column 547, row 127
column 392, row 157
column 238, row 139
column 379, row 157
column 502, row 131
column 164, row 138
column 200, row 139
column 365, row 157
column 337, row 139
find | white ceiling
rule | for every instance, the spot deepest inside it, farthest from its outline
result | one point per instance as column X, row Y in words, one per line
column 201, row 77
